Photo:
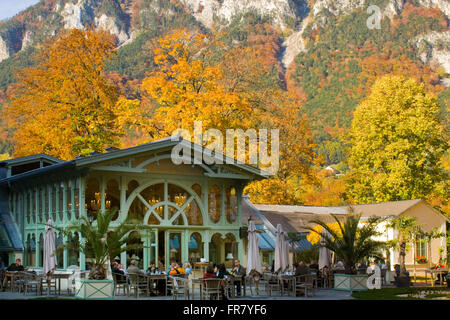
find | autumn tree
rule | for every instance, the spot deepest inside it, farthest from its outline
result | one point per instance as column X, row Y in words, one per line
column 64, row 106
column 397, row 143
column 185, row 88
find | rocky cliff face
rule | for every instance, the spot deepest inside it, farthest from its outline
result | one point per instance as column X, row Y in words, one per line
column 210, row 11
column 292, row 16
column 63, row 14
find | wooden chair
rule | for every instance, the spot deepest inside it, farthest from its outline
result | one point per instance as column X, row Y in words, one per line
column 271, row 282
column 228, row 288
column 254, row 279
column 304, row 283
column 32, row 281
column 179, row 287
column 120, row 282
column 49, row 283
column 324, row 277
column 19, row 281
column 138, row 283
column 2, row 278
column 212, row 288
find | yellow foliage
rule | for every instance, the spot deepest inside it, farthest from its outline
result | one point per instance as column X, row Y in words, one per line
column 64, row 106
column 314, row 237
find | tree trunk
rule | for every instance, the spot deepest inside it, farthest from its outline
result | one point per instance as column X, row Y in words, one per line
column 402, row 258
column 98, row 272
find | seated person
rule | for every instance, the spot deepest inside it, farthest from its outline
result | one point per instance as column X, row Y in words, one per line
column 160, row 283
column 238, row 271
column 152, row 268
column 134, row 269
column 120, row 275
column 175, row 269
column 222, row 271
column 17, row 266
column 302, row 269
column 187, row 269
column 339, row 266
column 209, row 274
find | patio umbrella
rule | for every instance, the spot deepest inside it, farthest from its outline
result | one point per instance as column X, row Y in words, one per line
column 286, row 249
column 49, row 248
column 281, row 245
column 324, row 253
column 254, row 259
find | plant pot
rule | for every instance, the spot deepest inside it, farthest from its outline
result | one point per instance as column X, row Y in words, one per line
column 350, row 282
column 94, row 289
column 402, row 282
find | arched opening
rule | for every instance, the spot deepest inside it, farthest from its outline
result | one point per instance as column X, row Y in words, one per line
column 59, row 250
column 28, row 207
column 195, row 247
column 61, row 201
column 214, row 203
column 230, row 250
column 132, row 185
column 41, row 250
column 135, row 253
column 231, row 204
column 92, row 197
column 69, row 199
column 76, row 198
column 54, row 201
column 73, row 251
column 175, row 247
column 112, row 197
column 215, row 248
column 33, row 206
column 28, row 253
column 198, row 189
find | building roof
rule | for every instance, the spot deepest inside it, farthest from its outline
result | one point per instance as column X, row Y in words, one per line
column 385, row 209
column 32, row 158
column 82, row 162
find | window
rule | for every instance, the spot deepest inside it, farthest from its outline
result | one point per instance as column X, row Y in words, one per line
column 421, row 248
column 214, row 203
column 112, row 197
column 92, row 197
column 69, row 199
column 231, row 205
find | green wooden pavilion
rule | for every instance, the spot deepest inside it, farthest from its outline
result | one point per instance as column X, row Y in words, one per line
column 194, row 210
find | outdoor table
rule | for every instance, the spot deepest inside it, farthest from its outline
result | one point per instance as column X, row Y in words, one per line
column 199, row 282
column 9, row 278
column 240, row 279
column 62, row 275
column 151, row 278
column 440, row 271
column 290, row 279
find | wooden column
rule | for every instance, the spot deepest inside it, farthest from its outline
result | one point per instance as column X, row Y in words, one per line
column 65, row 254
column 123, row 257
column 72, row 199
column 64, row 208
column 82, row 255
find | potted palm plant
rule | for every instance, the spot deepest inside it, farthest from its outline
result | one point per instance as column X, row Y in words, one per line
column 101, row 241
column 353, row 242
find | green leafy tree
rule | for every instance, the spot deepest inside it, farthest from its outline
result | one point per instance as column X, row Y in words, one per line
column 397, row 143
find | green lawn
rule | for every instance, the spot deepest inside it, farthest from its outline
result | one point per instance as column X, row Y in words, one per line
column 391, row 293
